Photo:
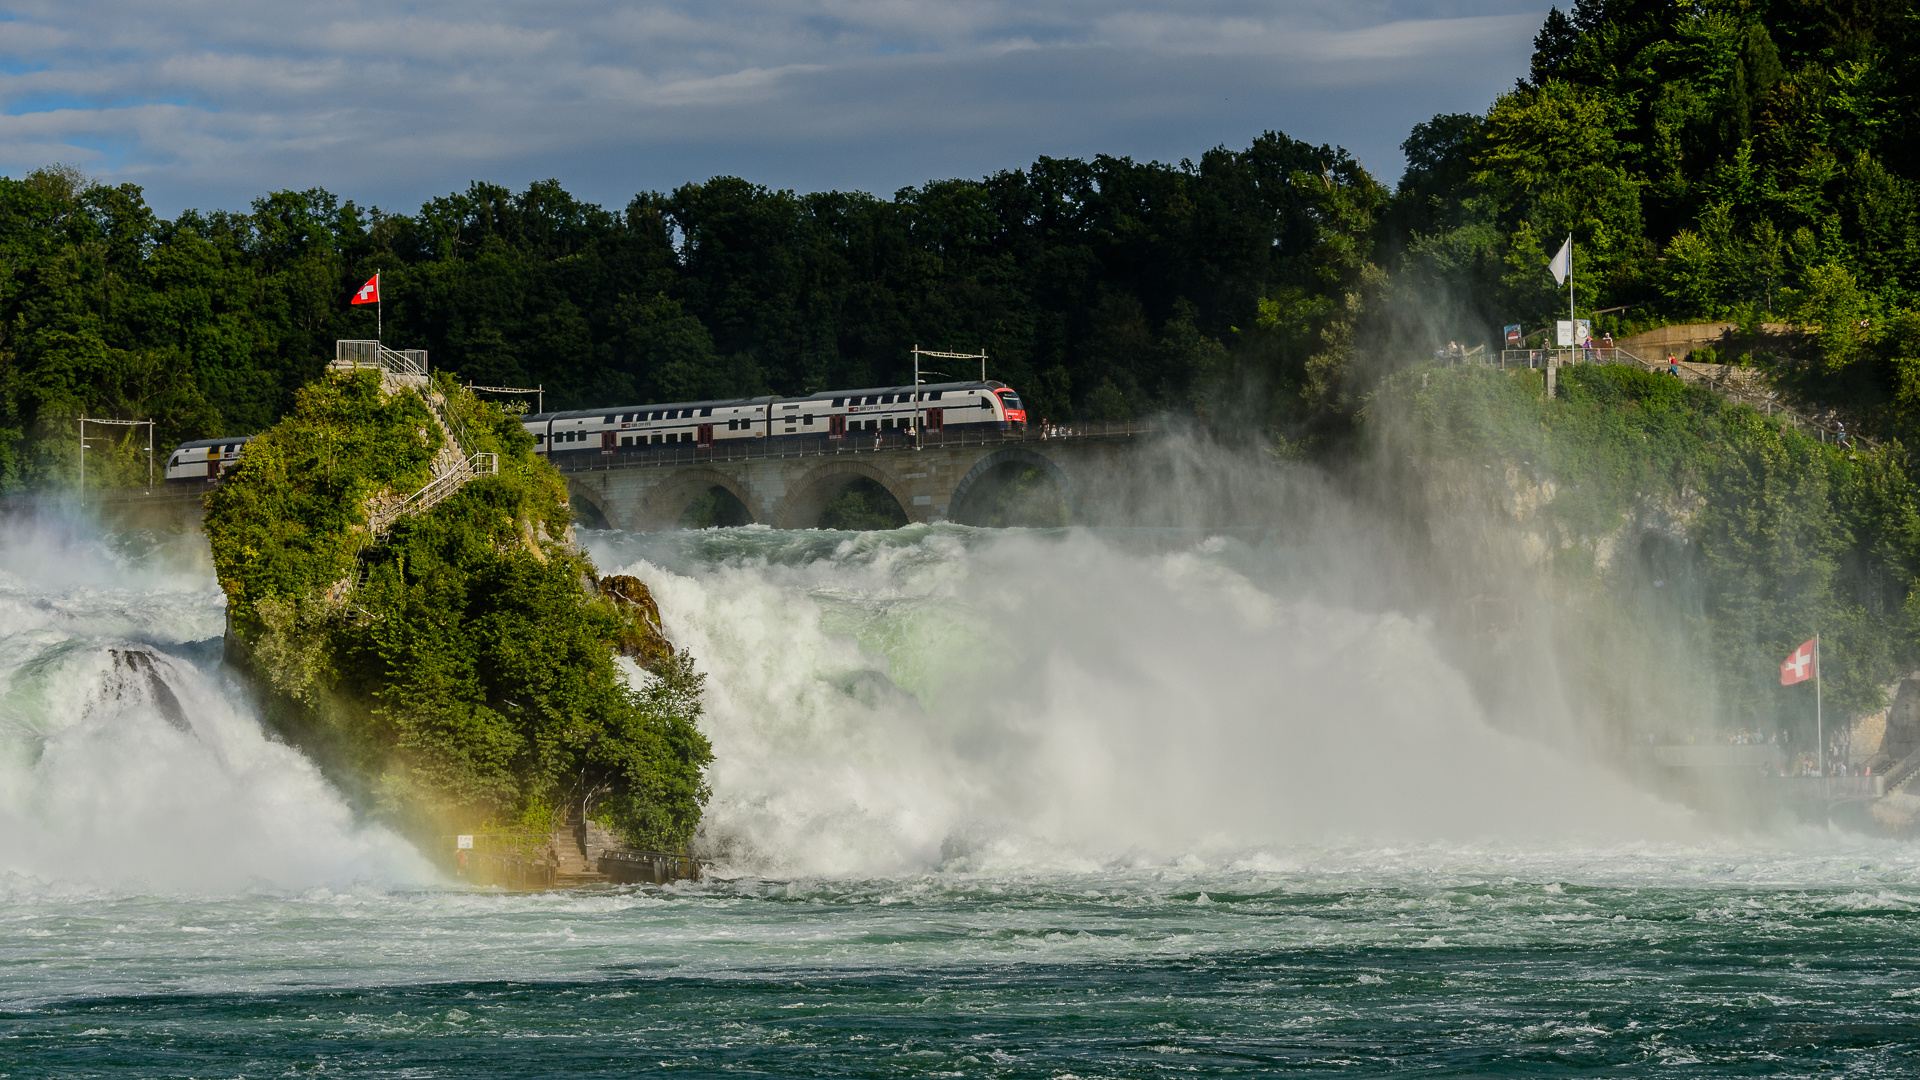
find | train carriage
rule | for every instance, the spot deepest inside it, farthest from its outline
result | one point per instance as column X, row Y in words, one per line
column 628, row 427
column 205, row 459
column 838, row 414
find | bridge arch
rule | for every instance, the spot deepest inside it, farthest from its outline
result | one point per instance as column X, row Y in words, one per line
column 667, row 503
column 974, row 496
column 808, row 499
column 589, row 508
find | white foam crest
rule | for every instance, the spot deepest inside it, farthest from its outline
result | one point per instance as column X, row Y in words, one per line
column 129, row 761
column 952, row 697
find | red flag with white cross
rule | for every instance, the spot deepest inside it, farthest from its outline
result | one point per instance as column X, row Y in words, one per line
column 369, row 293
column 1804, row 664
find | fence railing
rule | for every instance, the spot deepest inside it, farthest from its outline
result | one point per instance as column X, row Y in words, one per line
column 436, row 492
column 1744, row 388
column 860, row 442
column 371, row 354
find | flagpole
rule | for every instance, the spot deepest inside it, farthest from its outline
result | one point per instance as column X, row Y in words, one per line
column 379, row 310
column 1819, row 723
column 1571, row 320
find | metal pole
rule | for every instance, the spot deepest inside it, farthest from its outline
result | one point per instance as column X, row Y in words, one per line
column 1819, row 722
column 83, row 462
column 916, row 397
column 149, row 457
column 379, row 309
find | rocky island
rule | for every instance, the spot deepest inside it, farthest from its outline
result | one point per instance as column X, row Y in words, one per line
column 404, row 588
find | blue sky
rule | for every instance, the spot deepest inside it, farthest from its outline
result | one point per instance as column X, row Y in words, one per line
column 209, row 103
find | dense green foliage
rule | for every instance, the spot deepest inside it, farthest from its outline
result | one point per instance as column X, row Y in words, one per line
column 470, row 676
column 1103, row 288
column 1724, row 160
column 1759, row 536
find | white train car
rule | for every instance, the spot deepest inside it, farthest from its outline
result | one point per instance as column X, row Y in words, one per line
column 837, row 414
column 628, row 427
column 205, row 459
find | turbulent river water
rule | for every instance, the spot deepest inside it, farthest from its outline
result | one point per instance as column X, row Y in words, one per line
column 986, row 803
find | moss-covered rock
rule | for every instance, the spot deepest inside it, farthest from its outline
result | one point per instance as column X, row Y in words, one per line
column 461, row 669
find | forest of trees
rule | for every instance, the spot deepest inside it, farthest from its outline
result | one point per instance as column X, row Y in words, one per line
column 1743, row 160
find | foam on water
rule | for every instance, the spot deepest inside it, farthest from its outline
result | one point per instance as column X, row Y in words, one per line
column 127, row 759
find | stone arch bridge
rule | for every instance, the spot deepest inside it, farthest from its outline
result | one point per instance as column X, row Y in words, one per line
column 957, row 479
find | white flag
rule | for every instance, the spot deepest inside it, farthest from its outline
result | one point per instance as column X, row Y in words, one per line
column 1562, row 264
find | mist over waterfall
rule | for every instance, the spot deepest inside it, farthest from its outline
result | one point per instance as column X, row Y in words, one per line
column 1005, row 700
column 128, row 758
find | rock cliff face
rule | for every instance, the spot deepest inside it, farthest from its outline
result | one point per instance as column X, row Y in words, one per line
column 640, row 637
column 1903, row 723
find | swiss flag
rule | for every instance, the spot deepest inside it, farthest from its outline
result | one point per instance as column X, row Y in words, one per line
column 369, row 293
column 1801, row 666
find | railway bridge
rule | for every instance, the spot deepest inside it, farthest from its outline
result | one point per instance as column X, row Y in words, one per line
column 958, row 477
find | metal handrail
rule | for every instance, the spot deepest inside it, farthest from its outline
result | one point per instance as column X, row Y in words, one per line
column 436, row 491
column 1764, row 402
column 853, row 443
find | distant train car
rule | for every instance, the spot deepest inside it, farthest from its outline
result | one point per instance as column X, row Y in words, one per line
column 835, row 414
column 205, row 459
column 701, row 423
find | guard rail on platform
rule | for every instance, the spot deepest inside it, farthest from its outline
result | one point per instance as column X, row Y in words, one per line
column 349, row 355
column 632, row 457
column 1742, row 386
column 647, row 867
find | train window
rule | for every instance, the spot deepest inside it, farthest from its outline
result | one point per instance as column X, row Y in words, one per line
column 538, row 439
column 708, row 411
column 607, row 419
column 807, row 419
column 733, row 425
column 936, row 395
column 838, row 402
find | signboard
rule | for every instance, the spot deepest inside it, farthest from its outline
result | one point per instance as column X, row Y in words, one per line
column 1563, row 334
column 1513, row 335
column 464, row 843
column 1583, row 332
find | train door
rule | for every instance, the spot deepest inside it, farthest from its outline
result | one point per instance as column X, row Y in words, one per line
column 213, row 463
column 836, row 427
column 703, row 435
column 606, row 442
column 936, row 420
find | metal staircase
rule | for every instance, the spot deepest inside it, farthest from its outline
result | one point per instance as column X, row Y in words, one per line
column 453, row 465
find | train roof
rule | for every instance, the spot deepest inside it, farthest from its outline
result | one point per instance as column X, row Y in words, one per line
column 829, row 395
column 213, row 442
column 576, row 414
column 824, row 395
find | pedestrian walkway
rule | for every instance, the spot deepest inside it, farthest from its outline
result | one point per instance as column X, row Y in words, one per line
column 1743, row 386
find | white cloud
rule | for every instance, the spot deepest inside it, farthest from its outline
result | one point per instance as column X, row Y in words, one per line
column 208, row 102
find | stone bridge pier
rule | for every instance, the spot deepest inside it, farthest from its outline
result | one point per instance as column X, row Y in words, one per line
column 932, row 484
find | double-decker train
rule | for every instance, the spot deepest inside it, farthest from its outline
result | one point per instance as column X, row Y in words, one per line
column 828, row 415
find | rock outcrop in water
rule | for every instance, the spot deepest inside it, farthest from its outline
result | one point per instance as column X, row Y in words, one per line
column 456, row 671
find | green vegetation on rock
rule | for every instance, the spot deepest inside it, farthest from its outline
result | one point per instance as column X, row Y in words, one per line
column 463, row 670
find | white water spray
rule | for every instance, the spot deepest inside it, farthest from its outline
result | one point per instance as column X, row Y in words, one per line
column 127, row 759
column 886, row 703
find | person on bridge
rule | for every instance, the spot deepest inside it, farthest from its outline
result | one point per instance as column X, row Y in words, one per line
column 1673, row 366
